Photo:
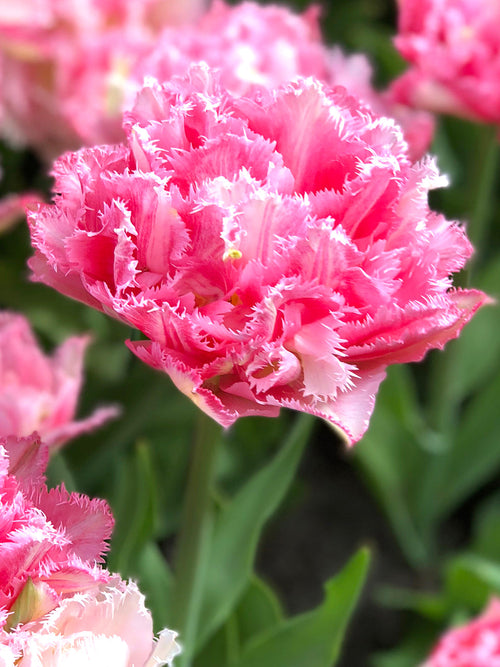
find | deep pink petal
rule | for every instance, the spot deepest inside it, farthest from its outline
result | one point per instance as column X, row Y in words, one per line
column 86, row 523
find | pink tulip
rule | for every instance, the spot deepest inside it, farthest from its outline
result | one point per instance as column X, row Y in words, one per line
column 58, row 607
column 106, row 625
column 476, row 644
column 453, row 47
column 65, row 65
column 68, row 70
column 51, row 541
column 40, row 393
column 275, row 249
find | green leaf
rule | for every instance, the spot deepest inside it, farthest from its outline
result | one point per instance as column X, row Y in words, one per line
column 219, row 649
column 474, row 456
column 312, row 639
column 477, row 357
column 486, row 538
column 237, row 530
column 391, row 457
column 428, row 605
column 156, row 582
column 258, row 610
column 470, row 580
column 134, row 510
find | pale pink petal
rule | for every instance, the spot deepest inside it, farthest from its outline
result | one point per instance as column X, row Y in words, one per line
column 106, row 625
column 165, row 650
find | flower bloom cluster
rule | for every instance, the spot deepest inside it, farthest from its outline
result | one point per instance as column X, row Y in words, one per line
column 276, row 249
column 39, row 393
column 250, row 44
column 57, row 604
column 476, row 644
column 52, row 539
column 74, row 67
column 64, row 66
column 453, row 47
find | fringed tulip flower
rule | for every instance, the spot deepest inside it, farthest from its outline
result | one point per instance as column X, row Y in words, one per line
column 476, row 644
column 51, row 541
column 453, row 47
column 40, row 393
column 107, row 625
column 275, row 249
column 269, row 45
column 57, row 605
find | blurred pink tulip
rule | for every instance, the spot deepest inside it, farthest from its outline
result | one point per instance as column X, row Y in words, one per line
column 12, row 208
column 69, row 71
column 40, row 393
column 453, row 47
column 65, row 64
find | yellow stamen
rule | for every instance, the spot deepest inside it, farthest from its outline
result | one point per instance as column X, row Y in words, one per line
column 232, row 253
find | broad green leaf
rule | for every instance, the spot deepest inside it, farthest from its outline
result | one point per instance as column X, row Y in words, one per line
column 475, row 455
column 486, row 538
column 392, row 458
column 220, row 648
column 156, row 582
column 470, row 580
column 313, row 639
column 238, row 527
column 258, row 610
column 428, row 605
column 134, row 510
column 247, row 447
column 477, row 350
